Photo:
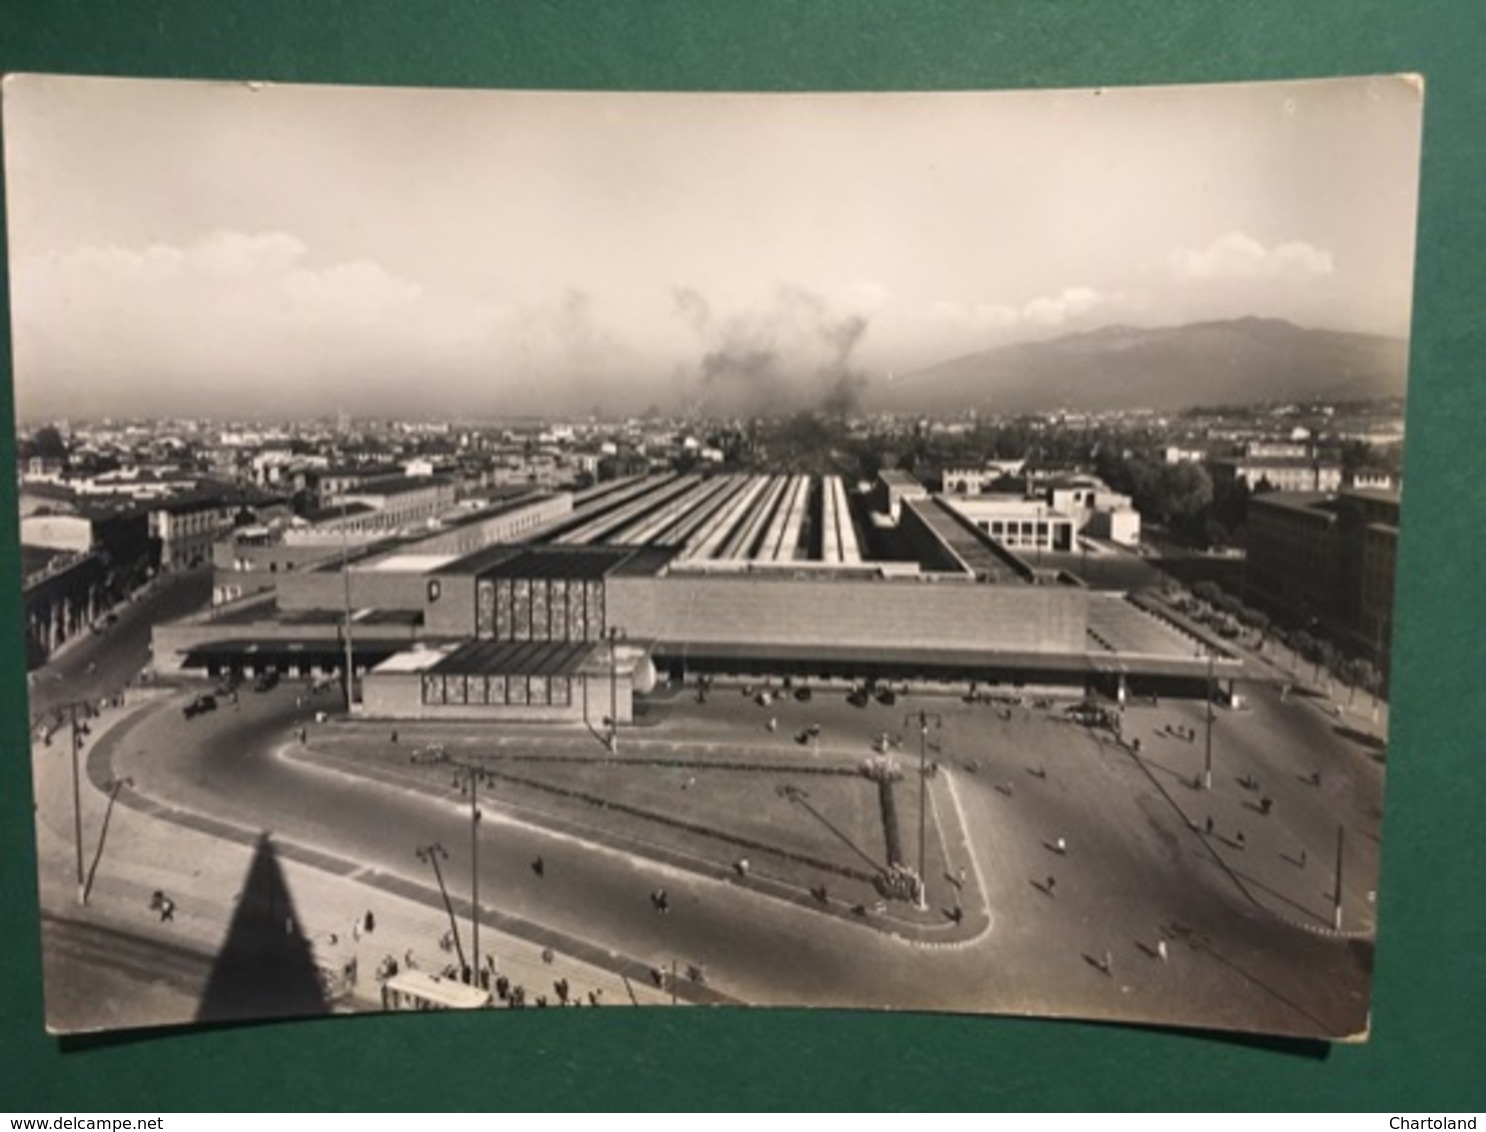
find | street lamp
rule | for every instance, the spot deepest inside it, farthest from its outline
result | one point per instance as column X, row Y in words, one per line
column 1207, row 764
column 614, row 634
column 1341, row 836
column 346, row 586
column 78, row 712
column 472, row 776
column 924, row 717
column 432, row 855
column 468, row 779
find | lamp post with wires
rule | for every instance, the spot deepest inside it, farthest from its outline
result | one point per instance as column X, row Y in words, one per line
column 468, row 778
column 77, row 714
column 1207, row 760
column 924, row 719
column 346, row 587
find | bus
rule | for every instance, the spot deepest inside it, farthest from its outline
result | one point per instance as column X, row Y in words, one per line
column 418, row 990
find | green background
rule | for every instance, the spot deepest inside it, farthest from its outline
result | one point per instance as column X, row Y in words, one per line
column 1426, row 1052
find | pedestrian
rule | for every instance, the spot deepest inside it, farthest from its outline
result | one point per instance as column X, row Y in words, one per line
column 1108, row 962
column 773, row 724
column 1302, row 858
column 956, row 914
column 1161, row 950
column 303, row 735
column 1051, row 883
column 167, row 910
column 539, row 866
column 1266, row 804
column 1209, row 824
column 548, row 956
column 407, row 959
column 334, row 939
column 371, row 923
column 1239, row 838
column 394, row 736
column 1062, row 847
column 962, row 876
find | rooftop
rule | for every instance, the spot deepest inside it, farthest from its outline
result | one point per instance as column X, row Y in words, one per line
column 411, row 563
column 400, row 485
column 895, row 477
column 578, row 562
column 1311, row 502
column 336, row 511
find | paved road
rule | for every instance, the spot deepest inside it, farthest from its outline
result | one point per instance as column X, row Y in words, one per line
column 94, row 666
column 129, row 977
column 1135, row 872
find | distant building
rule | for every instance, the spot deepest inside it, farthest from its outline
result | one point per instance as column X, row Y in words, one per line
column 978, row 478
column 1017, row 523
column 75, row 566
column 1279, row 473
column 1327, row 559
column 185, row 528
column 327, row 485
column 892, row 487
column 1364, row 479
column 1292, row 449
column 388, row 504
column 1177, row 454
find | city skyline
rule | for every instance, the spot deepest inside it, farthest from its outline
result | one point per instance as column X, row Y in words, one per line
column 300, row 250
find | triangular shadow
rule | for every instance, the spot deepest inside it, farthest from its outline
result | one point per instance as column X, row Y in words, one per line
column 266, row 967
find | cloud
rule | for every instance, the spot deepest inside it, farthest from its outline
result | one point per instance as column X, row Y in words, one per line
column 240, row 311
column 1237, row 256
column 1052, row 310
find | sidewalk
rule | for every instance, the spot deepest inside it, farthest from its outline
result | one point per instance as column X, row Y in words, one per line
column 203, row 876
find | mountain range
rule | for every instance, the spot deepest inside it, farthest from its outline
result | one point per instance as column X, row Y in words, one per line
column 1232, row 362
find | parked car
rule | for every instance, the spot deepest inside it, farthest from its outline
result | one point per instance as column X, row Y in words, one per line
column 200, row 706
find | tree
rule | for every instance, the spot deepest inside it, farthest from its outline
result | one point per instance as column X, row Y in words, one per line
column 47, row 443
column 1327, row 656
column 1186, row 492
column 1208, row 592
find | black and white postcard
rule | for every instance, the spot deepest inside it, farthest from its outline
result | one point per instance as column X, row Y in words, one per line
column 536, row 550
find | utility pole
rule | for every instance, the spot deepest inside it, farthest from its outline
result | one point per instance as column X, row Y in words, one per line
column 431, row 855
column 468, row 779
column 76, row 713
column 78, row 733
column 473, row 779
column 1207, row 764
column 1341, row 835
column 923, row 791
column 346, row 584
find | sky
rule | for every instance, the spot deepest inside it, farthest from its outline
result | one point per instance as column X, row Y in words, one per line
column 231, row 249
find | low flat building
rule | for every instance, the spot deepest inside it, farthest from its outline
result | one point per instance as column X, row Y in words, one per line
column 1279, row 473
